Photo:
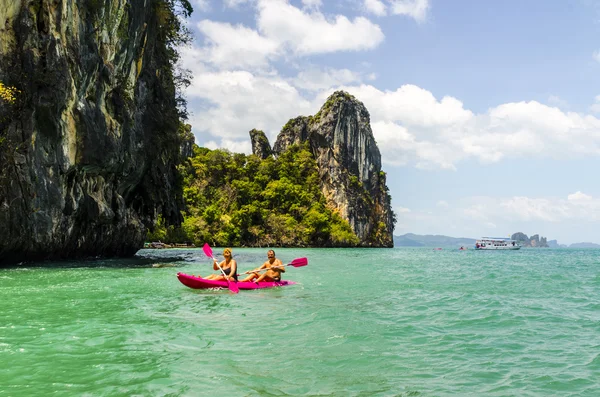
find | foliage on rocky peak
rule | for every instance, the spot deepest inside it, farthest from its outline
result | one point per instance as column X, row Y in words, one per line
column 240, row 200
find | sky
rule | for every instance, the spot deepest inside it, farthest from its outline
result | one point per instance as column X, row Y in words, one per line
column 486, row 113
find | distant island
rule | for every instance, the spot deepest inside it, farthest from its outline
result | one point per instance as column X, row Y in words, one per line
column 416, row 240
column 533, row 241
column 584, row 245
column 430, row 240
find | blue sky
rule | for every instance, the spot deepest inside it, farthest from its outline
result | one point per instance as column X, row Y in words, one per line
column 487, row 113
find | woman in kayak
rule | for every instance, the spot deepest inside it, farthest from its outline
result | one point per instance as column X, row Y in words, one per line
column 229, row 266
column 273, row 267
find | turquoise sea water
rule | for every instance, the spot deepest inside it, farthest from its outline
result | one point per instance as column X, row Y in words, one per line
column 361, row 322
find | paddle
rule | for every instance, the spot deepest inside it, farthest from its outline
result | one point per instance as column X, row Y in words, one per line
column 298, row 262
column 208, row 252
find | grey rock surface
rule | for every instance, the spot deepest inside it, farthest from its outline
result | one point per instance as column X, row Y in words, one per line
column 89, row 152
column 349, row 161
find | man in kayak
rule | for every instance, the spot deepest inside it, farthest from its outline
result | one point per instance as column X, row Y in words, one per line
column 229, row 266
column 273, row 267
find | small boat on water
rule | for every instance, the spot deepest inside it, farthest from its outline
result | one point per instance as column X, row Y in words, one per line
column 202, row 283
column 496, row 243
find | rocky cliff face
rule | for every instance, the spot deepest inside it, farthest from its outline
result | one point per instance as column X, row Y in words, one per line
column 260, row 144
column 349, row 162
column 89, row 149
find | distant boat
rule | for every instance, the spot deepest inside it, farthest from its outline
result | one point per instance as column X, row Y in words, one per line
column 496, row 243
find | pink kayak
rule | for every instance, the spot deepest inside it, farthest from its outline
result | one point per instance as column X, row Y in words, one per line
column 202, row 283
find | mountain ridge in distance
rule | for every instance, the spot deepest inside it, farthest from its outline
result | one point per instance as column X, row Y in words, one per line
column 438, row 240
column 430, row 240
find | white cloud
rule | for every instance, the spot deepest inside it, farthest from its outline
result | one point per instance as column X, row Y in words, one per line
column 314, row 78
column 416, row 9
column 596, row 56
column 232, row 146
column 236, row 102
column 534, row 209
column 401, row 210
column 192, row 58
column 411, row 105
column 312, row 33
column 442, row 204
column 376, row 7
column 412, row 127
column 478, row 211
column 235, row 86
column 399, row 147
column 235, row 46
column 578, row 196
column 283, row 31
column 578, row 207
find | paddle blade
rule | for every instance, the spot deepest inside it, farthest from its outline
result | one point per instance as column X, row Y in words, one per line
column 207, row 250
column 298, row 262
column 233, row 287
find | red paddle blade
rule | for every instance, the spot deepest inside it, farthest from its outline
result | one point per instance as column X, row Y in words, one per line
column 298, row 262
column 207, row 250
column 233, row 287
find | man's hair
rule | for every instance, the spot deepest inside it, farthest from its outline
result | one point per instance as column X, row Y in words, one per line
column 270, row 251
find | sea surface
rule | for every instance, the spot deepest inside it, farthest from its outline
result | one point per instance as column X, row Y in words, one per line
column 360, row 322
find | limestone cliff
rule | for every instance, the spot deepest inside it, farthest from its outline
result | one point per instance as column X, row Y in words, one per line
column 89, row 150
column 533, row 241
column 260, row 144
column 349, row 163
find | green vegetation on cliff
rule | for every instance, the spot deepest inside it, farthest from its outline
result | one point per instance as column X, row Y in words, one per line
column 8, row 97
column 240, row 200
column 7, row 94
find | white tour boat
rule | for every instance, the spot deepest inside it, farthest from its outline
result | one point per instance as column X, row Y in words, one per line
column 496, row 243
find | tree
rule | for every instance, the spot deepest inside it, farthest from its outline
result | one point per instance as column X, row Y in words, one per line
column 234, row 199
